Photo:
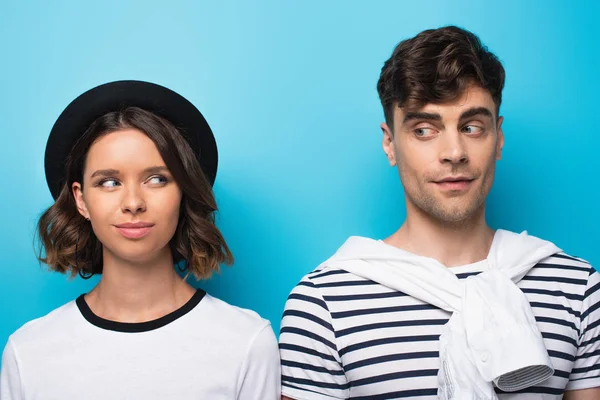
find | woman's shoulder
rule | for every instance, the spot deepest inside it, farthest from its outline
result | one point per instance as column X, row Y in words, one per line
column 47, row 326
column 225, row 317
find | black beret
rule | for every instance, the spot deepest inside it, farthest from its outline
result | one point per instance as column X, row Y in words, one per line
column 114, row 96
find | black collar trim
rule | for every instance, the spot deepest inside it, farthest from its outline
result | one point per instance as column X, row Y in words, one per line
column 136, row 327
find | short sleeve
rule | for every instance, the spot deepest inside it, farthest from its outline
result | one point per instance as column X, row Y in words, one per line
column 261, row 373
column 310, row 364
column 10, row 379
column 586, row 370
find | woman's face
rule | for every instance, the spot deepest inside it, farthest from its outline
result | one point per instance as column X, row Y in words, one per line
column 129, row 196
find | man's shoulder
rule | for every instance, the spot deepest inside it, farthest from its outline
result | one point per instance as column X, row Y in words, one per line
column 564, row 265
column 561, row 277
column 326, row 278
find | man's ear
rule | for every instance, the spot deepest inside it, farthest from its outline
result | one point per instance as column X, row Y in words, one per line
column 388, row 144
column 500, row 141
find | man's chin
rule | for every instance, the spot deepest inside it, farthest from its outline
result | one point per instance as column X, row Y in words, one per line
column 457, row 215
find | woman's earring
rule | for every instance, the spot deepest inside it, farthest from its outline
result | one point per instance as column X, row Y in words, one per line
column 184, row 268
column 85, row 275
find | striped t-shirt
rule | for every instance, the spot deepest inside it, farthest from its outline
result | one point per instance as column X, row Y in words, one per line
column 347, row 337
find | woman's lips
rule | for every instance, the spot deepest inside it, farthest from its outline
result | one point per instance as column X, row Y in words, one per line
column 136, row 230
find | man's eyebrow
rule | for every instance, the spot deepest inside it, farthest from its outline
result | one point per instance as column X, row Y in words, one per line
column 472, row 112
column 411, row 116
column 105, row 172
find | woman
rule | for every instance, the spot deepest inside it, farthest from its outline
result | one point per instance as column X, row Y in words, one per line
column 130, row 165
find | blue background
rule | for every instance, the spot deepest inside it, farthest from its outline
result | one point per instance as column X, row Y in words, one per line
column 289, row 90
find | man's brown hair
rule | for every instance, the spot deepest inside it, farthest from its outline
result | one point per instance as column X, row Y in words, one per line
column 436, row 66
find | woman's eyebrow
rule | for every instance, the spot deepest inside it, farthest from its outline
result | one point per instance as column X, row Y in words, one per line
column 156, row 170
column 105, row 172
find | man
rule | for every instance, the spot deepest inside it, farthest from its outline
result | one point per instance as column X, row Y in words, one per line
column 445, row 307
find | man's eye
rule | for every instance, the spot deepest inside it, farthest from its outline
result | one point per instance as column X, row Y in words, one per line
column 472, row 129
column 423, row 132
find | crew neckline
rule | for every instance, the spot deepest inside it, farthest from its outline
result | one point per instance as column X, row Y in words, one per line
column 477, row 266
column 137, row 327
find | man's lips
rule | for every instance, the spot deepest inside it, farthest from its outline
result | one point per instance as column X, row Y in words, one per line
column 454, row 183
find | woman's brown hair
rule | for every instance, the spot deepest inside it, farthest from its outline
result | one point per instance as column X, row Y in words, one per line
column 67, row 241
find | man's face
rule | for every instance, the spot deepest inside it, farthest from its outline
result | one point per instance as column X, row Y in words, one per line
column 446, row 155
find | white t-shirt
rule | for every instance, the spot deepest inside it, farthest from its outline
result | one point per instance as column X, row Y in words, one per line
column 207, row 349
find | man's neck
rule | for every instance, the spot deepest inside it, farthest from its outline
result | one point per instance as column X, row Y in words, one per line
column 451, row 244
column 138, row 293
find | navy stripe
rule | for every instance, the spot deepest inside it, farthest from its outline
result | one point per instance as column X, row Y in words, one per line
column 346, row 283
column 537, row 304
column 305, row 283
column 586, row 369
column 305, row 333
column 555, row 279
column 393, row 324
column 561, row 355
column 389, row 358
column 582, row 379
column 556, row 293
column 561, row 374
column 310, row 367
column 309, row 299
column 467, row 274
column 394, row 376
column 561, row 266
column 591, row 290
column 308, row 382
column 591, row 326
column 308, row 316
column 289, row 385
column 568, row 257
column 306, row 350
column 366, row 296
column 587, row 355
column 535, row 389
column 588, row 342
column 398, row 395
column 562, row 338
column 390, row 340
column 328, row 273
column 557, row 322
column 367, row 311
column 590, row 310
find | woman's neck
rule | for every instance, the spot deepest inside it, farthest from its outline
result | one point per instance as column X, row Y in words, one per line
column 138, row 292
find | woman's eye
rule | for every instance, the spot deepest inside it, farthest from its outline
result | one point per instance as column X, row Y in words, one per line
column 109, row 183
column 157, row 180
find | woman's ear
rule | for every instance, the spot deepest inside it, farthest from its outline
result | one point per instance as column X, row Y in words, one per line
column 77, row 190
